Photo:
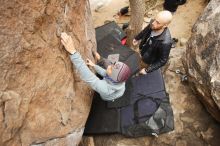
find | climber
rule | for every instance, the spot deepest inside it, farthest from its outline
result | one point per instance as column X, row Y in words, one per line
column 155, row 43
column 112, row 86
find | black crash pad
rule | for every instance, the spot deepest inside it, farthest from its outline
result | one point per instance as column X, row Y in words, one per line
column 118, row 116
column 109, row 28
column 105, row 118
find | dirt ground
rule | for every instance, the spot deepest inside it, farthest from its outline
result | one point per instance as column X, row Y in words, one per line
column 193, row 124
column 107, row 12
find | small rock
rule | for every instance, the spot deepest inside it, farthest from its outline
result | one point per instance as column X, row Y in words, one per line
column 183, row 41
column 99, row 6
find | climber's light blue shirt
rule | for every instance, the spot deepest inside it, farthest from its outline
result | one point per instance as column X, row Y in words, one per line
column 107, row 90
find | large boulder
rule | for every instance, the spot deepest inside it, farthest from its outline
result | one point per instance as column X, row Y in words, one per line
column 42, row 99
column 203, row 58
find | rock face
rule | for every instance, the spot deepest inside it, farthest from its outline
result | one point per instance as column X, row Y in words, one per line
column 42, row 99
column 203, row 58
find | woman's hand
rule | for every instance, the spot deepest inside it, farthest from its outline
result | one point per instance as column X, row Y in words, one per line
column 67, row 41
column 89, row 63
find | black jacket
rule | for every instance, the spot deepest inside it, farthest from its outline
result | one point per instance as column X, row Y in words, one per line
column 154, row 50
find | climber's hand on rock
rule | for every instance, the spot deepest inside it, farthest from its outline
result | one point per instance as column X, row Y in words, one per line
column 96, row 55
column 89, row 63
column 67, row 41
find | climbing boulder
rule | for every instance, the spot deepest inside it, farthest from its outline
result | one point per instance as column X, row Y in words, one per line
column 42, row 99
column 203, row 58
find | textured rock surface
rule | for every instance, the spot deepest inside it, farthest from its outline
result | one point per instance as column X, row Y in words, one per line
column 42, row 99
column 203, row 58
